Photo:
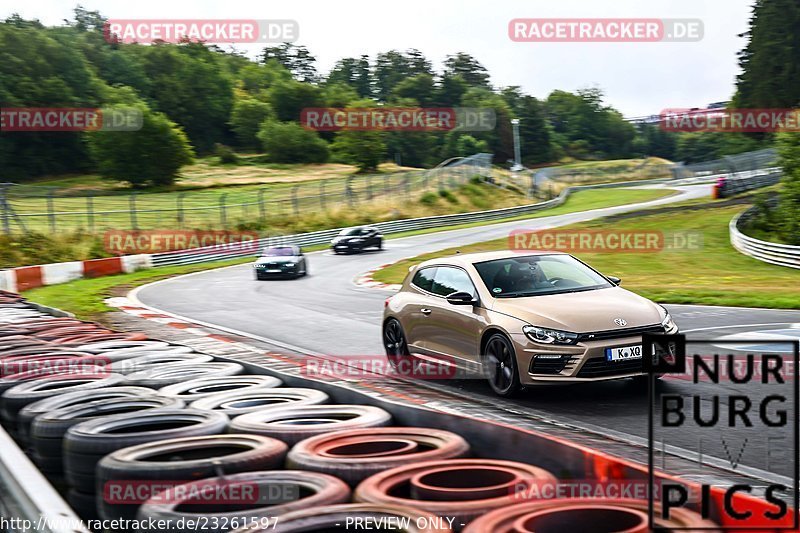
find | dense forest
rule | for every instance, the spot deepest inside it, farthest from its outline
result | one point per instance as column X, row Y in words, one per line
column 199, row 99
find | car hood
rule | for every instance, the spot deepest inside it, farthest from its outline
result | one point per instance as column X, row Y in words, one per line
column 341, row 238
column 278, row 259
column 583, row 312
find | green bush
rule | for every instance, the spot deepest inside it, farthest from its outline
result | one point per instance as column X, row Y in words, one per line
column 428, row 198
column 226, row 154
column 365, row 149
column 447, row 195
column 152, row 155
column 287, row 142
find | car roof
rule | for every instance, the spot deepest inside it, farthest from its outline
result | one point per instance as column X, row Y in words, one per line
column 478, row 257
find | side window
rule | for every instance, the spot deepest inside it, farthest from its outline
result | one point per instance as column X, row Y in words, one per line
column 448, row 280
column 424, row 278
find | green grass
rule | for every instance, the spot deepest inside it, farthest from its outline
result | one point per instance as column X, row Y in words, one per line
column 715, row 274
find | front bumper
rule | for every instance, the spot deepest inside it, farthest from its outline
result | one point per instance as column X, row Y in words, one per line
column 276, row 272
column 345, row 246
column 579, row 363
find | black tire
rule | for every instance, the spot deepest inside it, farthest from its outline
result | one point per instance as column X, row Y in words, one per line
column 394, row 343
column 155, row 360
column 500, row 366
column 380, row 244
column 239, row 403
column 17, row 397
column 196, row 389
column 86, row 443
column 293, row 424
column 49, row 464
column 314, row 490
column 26, row 415
column 169, row 374
column 182, row 460
column 54, row 425
column 84, row 505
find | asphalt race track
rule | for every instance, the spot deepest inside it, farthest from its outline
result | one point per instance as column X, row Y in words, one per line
column 326, row 313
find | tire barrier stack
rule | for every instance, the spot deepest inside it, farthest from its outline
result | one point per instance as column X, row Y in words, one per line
column 130, row 428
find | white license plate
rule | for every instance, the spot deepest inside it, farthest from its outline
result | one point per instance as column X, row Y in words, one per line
column 273, row 270
column 624, row 353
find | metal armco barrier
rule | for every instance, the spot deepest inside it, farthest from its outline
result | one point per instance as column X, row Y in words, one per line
column 769, row 252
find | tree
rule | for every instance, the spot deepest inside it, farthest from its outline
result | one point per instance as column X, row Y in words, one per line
column 289, row 97
column 534, row 132
column 365, row 149
column 352, row 72
column 338, row 95
column 468, row 68
column 500, row 139
column 188, row 85
column 392, row 67
column 450, row 90
column 296, row 59
column 770, row 62
column 287, row 142
column 246, row 119
column 256, row 79
column 41, row 69
column 152, row 155
column 420, row 88
column 789, row 196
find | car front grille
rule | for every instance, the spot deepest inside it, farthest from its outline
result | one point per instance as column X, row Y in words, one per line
column 549, row 366
column 599, row 367
column 620, row 333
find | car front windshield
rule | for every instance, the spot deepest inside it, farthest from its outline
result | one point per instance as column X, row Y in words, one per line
column 537, row 275
column 279, row 251
column 350, row 231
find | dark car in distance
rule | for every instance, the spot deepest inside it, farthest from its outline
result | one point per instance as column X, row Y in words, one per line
column 357, row 239
column 281, row 261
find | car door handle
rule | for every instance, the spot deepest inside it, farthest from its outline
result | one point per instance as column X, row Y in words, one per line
column 425, row 311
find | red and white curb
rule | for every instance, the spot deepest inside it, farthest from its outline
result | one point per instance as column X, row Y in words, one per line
column 366, row 280
column 126, row 305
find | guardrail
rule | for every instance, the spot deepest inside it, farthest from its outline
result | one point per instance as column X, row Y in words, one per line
column 215, row 253
column 769, row 252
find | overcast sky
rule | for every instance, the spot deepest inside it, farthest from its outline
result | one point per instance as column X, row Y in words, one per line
column 637, row 78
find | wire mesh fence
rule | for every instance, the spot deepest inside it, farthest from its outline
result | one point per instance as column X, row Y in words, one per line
column 25, row 208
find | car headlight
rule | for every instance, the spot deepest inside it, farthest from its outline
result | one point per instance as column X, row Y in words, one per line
column 549, row 336
column 668, row 324
column 290, row 263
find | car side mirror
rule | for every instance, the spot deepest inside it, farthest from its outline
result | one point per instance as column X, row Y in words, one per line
column 462, row 298
column 615, row 280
